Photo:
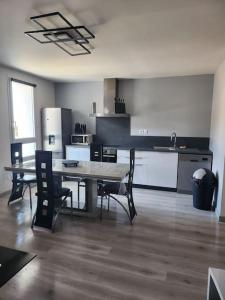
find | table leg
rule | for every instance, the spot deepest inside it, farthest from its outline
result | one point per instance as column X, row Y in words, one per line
column 91, row 195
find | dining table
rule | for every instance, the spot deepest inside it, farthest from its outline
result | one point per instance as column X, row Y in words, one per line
column 90, row 171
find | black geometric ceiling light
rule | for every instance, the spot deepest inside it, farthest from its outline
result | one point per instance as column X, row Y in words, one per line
column 74, row 40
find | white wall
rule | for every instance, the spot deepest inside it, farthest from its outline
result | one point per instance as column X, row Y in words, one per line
column 163, row 105
column 217, row 136
column 45, row 96
column 79, row 97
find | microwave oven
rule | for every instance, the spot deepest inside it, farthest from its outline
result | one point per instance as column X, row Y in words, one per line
column 81, row 139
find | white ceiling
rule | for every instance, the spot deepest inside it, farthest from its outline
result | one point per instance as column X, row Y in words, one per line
column 134, row 38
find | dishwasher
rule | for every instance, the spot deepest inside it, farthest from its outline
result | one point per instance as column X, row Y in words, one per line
column 187, row 165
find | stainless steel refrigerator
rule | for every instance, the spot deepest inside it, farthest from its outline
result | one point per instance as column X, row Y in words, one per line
column 56, row 130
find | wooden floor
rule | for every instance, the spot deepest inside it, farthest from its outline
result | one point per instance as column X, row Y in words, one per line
column 165, row 255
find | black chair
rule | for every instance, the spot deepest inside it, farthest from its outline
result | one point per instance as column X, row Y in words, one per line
column 20, row 181
column 109, row 189
column 50, row 193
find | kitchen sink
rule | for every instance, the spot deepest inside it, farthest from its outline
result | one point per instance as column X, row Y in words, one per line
column 164, row 148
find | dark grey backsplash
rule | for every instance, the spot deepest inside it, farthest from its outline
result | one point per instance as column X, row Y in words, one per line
column 116, row 131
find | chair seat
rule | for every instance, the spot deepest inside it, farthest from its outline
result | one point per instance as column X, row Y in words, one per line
column 109, row 188
column 27, row 179
column 62, row 192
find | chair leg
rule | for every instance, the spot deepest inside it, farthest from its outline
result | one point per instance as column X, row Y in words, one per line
column 23, row 193
column 108, row 202
column 71, row 198
column 132, row 211
column 78, row 195
column 85, row 195
column 128, row 211
column 33, row 221
column 30, row 196
column 101, row 208
column 53, row 224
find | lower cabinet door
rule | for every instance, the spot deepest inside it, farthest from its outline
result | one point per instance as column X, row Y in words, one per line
column 162, row 169
column 141, row 169
column 140, row 174
column 153, row 168
column 123, row 156
column 156, row 169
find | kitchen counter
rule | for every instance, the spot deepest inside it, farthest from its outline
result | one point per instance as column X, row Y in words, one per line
column 177, row 150
column 155, row 167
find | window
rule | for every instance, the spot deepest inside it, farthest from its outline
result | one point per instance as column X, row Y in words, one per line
column 28, row 149
column 23, row 116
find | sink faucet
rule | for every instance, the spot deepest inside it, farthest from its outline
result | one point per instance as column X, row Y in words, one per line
column 174, row 137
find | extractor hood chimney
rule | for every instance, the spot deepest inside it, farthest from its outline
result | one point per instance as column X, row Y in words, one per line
column 109, row 95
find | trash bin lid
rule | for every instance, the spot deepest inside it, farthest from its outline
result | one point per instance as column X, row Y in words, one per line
column 199, row 174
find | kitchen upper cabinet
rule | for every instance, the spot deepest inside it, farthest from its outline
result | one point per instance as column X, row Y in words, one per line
column 78, row 153
column 153, row 168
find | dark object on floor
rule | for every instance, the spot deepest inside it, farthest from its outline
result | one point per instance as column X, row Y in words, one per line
column 51, row 197
column 20, row 181
column 204, row 182
column 11, row 262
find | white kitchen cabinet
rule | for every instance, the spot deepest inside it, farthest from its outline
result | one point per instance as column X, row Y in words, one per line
column 123, row 156
column 78, row 152
column 162, row 169
column 153, row 168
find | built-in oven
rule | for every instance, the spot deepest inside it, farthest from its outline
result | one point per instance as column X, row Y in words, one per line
column 99, row 152
column 109, row 154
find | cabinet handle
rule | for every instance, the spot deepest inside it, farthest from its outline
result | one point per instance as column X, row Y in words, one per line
column 128, row 157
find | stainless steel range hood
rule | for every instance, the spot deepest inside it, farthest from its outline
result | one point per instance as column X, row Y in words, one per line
column 109, row 96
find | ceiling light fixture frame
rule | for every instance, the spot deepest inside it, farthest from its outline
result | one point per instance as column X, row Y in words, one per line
column 78, row 39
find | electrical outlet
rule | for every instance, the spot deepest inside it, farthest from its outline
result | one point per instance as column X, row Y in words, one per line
column 143, row 131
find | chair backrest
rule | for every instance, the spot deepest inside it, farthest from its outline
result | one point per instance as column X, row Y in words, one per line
column 45, row 188
column 44, row 174
column 131, row 172
column 16, row 158
column 16, row 153
column 96, row 152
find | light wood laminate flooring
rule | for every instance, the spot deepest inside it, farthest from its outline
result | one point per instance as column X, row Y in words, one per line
column 164, row 255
